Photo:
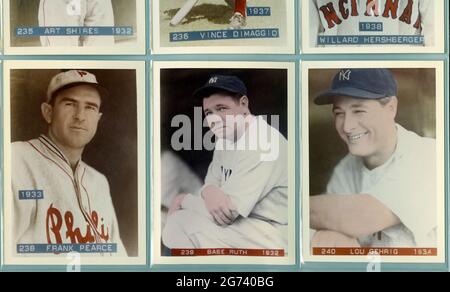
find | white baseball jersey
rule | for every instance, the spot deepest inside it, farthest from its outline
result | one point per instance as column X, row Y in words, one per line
column 256, row 182
column 406, row 184
column 76, row 13
column 76, row 207
column 397, row 17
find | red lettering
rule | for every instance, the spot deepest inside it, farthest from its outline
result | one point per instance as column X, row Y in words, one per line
column 418, row 24
column 354, row 8
column 407, row 13
column 342, row 9
column 330, row 15
column 54, row 224
column 74, row 235
column 391, row 7
column 372, row 5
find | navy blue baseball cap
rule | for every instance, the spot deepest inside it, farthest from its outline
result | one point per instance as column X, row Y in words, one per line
column 221, row 82
column 360, row 83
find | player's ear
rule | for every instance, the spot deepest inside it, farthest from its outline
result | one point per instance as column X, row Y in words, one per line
column 244, row 101
column 47, row 112
column 393, row 104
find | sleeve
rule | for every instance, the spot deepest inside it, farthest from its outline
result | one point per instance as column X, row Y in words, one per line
column 426, row 11
column 250, row 181
column 339, row 183
column 23, row 211
column 99, row 13
column 196, row 204
column 176, row 178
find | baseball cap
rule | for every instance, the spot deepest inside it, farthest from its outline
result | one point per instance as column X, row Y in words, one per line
column 221, row 82
column 67, row 79
column 360, row 83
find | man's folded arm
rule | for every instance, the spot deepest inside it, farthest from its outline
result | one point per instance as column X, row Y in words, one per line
column 354, row 215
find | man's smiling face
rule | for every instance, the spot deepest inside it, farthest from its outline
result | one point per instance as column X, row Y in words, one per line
column 365, row 125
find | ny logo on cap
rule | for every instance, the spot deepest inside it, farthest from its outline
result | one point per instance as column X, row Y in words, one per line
column 82, row 73
column 344, row 75
column 213, row 80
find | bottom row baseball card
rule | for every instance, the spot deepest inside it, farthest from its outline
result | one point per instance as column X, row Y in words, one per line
column 224, row 163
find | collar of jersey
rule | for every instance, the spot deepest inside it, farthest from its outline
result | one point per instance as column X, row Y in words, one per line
column 56, row 152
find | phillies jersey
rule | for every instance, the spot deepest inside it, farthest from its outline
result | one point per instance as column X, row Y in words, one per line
column 75, row 206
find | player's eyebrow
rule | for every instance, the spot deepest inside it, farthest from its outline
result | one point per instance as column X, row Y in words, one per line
column 90, row 103
column 357, row 104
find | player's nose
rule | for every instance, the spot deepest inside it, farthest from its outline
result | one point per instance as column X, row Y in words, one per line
column 79, row 113
column 349, row 123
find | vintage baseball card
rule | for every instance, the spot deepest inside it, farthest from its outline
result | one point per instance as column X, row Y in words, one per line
column 74, row 163
column 373, row 26
column 373, row 170
column 74, row 27
column 223, row 26
column 224, row 163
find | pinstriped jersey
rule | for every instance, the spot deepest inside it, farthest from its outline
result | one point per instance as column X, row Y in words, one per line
column 75, row 207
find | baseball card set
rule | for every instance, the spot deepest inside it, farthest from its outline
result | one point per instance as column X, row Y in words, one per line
column 224, row 135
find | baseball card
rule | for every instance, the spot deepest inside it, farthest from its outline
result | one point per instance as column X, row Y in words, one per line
column 373, row 26
column 74, row 163
column 224, row 163
column 223, row 26
column 74, row 27
column 373, row 162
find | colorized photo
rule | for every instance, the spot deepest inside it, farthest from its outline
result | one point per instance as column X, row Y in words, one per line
column 375, row 181
column 224, row 165
column 222, row 26
column 413, row 26
column 62, row 195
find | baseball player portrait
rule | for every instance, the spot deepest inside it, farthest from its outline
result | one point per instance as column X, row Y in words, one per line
column 243, row 199
column 371, row 18
column 383, row 192
column 64, row 189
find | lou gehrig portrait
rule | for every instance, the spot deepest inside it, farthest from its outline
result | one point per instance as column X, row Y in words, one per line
column 373, row 165
column 224, row 164
column 73, row 162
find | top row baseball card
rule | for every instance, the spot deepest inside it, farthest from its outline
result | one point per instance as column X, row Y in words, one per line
column 119, row 27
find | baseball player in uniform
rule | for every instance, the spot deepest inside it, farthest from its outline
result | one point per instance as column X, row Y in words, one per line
column 243, row 202
column 399, row 18
column 76, row 13
column 383, row 192
column 76, row 207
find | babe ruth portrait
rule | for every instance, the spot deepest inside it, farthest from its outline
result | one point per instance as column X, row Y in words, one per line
column 377, row 187
column 225, row 194
column 376, row 22
column 53, row 146
column 58, row 15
